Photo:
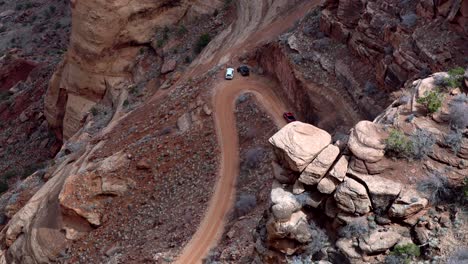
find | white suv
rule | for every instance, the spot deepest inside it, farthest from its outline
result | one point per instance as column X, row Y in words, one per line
column 229, row 73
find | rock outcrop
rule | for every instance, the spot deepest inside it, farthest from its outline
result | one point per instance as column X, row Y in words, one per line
column 352, row 197
column 360, row 188
column 400, row 38
column 366, row 141
column 105, row 40
column 297, row 144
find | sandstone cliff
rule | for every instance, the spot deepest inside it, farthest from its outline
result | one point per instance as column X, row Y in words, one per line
column 99, row 64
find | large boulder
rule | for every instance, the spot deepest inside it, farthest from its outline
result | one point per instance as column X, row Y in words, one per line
column 284, row 203
column 287, row 236
column 381, row 190
column 367, row 141
column 378, row 241
column 352, row 197
column 314, row 172
column 336, row 175
column 345, row 246
column 407, row 204
column 282, row 175
column 297, row 144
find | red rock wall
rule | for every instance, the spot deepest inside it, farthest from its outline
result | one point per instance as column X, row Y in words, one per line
column 402, row 39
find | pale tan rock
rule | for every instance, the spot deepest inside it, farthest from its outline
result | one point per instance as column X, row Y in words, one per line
column 100, row 58
column 408, row 203
column 168, row 66
column 314, row 172
column 345, row 246
column 297, row 144
column 298, row 187
column 352, row 197
column 381, row 190
column 296, row 228
column 378, row 241
column 284, row 202
column 367, row 141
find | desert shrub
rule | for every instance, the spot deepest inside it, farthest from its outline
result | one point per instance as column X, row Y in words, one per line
column 244, row 204
column 52, row 9
column 354, row 229
column 227, row 3
column 409, row 20
column 319, row 240
column 455, row 78
column 453, row 140
column 394, row 259
column 397, row 144
column 459, row 111
column 370, row 88
column 403, row 254
column 4, row 95
column 299, row 260
column 182, row 30
column 437, row 188
column 422, row 143
column 9, row 174
column 188, row 59
column 94, row 111
column 409, row 250
column 3, row 186
column 160, row 43
column 28, row 170
column 254, row 156
column 465, row 187
column 432, row 100
column 202, row 42
column 458, row 256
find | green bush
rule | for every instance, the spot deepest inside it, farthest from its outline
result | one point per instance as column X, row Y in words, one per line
column 182, row 30
column 455, row 77
column 202, row 42
column 403, row 254
column 409, row 249
column 432, row 100
column 398, row 144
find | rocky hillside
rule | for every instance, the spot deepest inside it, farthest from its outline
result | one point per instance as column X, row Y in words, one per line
column 33, row 37
column 118, row 130
column 395, row 191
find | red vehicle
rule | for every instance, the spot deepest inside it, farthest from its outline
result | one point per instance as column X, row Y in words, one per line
column 289, row 117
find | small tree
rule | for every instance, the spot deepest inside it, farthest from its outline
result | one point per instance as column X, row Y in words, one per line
column 202, row 42
column 455, row 77
column 432, row 100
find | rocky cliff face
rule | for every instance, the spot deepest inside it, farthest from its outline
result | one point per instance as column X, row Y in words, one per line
column 401, row 39
column 105, row 40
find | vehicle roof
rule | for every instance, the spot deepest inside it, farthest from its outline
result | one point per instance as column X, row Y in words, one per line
column 229, row 69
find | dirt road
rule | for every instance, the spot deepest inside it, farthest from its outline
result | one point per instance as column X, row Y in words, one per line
column 226, row 93
column 258, row 21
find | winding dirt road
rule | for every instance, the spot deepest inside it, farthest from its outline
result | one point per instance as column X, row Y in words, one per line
column 258, row 21
column 226, row 93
